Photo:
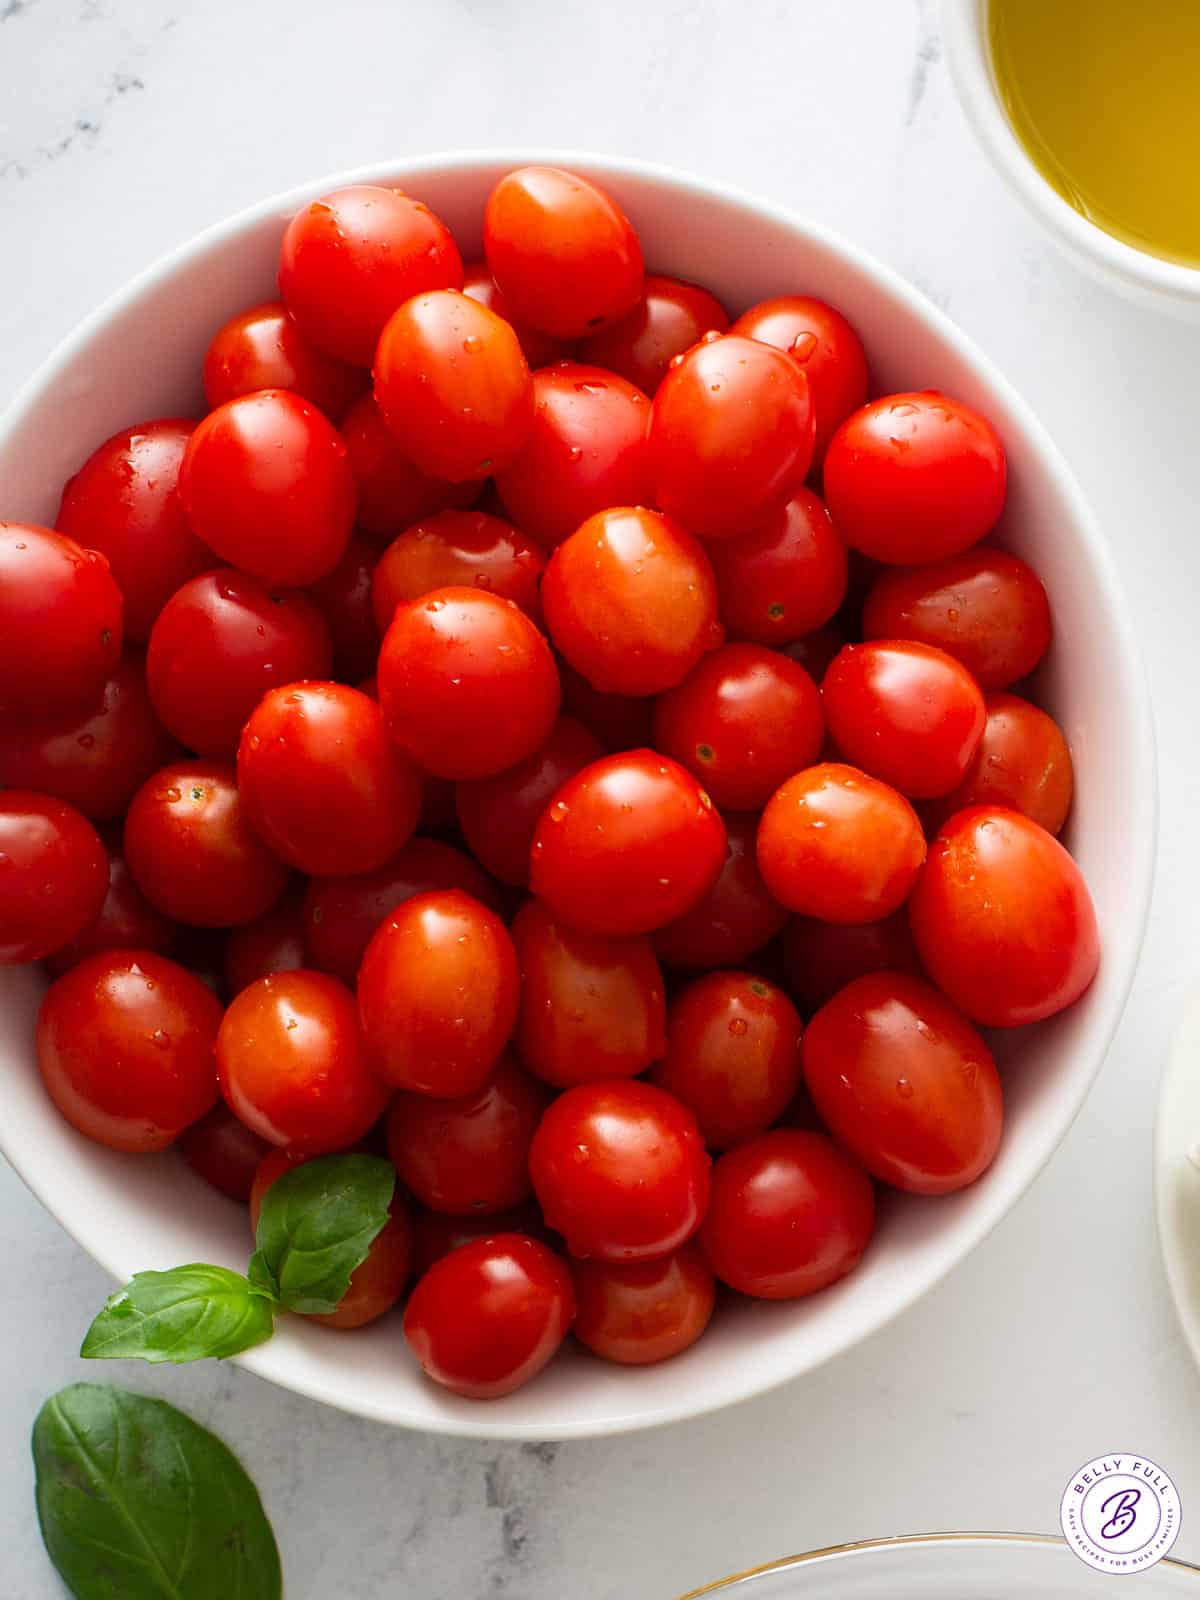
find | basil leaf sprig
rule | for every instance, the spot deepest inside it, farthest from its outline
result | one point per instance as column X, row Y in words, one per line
column 138, row 1502
column 316, row 1225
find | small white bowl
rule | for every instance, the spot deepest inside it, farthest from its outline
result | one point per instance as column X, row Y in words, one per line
column 1149, row 279
column 139, row 357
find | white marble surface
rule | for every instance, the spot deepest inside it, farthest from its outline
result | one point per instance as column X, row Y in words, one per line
column 126, row 125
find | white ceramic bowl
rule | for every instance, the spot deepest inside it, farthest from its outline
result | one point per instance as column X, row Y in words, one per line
column 139, row 356
column 1165, row 285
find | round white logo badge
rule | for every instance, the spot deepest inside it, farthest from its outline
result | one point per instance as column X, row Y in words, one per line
column 1120, row 1513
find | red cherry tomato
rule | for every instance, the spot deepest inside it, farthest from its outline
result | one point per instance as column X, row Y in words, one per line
column 904, row 712
column 735, row 918
column 563, row 253
column 836, row 844
column 437, row 992
column 540, row 348
column 264, row 349
column 498, row 815
column 986, row 608
column 669, row 319
column 790, row 1214
column 731, row 435
column 321, row 781
column 458, row 549
column 124, row 501
column 620, row 1171
column 1003, row 920
column 914, row 477
column 1022, row 761
column 192, row 851
column 392, row 493
column 732, row 1056
column 60, row 621
column 125, row 1048
column 436, row 1235
column 453, row 385
column 824, row 344
column 266, row 484
column 53, row 875
column 126, row 921
column 743, row 720
column 592, row 1007
column 341, row 914
column 468, row 1155
column 486, row 1318
column 223, row 1151
column 619, row 721
column 292, row 1063
column 783, row 579
column 349, row 259
column 272, row 943
column 629, row 844
column 630, row 601
column 467, row 683
column 640, row 1312
column 94, row 758
column 343, row 598
column 219, row 643
column 820, row 958
column 586, row 451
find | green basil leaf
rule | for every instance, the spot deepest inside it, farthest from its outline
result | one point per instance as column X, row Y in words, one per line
column 316, row 1225
column 138, row 1502
column 182, row 1315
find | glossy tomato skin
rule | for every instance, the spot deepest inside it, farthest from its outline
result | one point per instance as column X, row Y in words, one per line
column 629, row 844
column 271, row 943
column 820, row 339
column 453, row 385
column 219, row 643
column 95, row 758
column 1003, row 920
column 266, row 484
column 498, row 815
column 790, row 1214
column 458, row 548
column 914, row 477
column 343, row 597
column 321, row 781
column 743, row 720
column 540, row 348
column 734, row 919
column 435, row 1235
column 619, row 721
column 639, row 1312
column 192, row 851
column 126, row 921
column 467, row 684
column 262, row 348
column 820, row 958
column 586, row 450
column 468, row 1156
column 784, row 578
column 392, row 492
column 341, row 913
column 349, row 259
column 292, row 1063
column 732, row 1055
column 125, row 1048
column 55, row 875
column 906, row 713
column 985, row 607
column 564, row 255
column 669, row 319
column 223, row 1151
column 1023, row 761
column 731, row 435
column 837, row 844
column 620, row 1170
column 60, row 621
column 486, row 1318
column 437, row 993
column 592, row 1006
column 630, row 601
column 905, row 1083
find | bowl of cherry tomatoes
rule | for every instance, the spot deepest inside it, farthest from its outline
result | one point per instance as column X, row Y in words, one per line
column 589, row 687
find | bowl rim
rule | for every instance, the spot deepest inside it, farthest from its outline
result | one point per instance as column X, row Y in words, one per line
column 1121, row 961
column 964, row 35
